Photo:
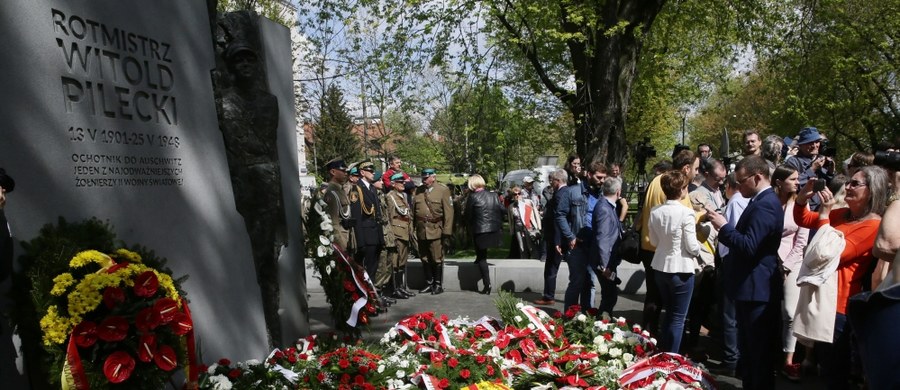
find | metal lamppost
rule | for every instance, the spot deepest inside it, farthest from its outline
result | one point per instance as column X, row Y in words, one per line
column 683, row 111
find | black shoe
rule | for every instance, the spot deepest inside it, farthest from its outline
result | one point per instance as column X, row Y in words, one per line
column 398, row 294
column 723, row 371
column 409, row 294
column 486, row 290
column 429, row 288
column 389, row 300
column 437, row 290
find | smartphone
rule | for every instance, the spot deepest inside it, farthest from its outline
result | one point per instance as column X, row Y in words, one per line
column 819, row 185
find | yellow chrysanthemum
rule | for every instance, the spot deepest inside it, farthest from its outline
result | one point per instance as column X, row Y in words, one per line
column 55, row 327
column 128, row 255
column 90, row 256
column 61, row 282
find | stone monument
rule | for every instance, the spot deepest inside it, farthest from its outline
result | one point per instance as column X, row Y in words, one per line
column 109, row 111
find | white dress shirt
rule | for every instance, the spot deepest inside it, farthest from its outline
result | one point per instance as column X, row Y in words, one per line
column 673, row 232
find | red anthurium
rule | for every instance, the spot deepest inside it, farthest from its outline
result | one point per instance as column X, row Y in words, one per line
column 145, row 284
column 167, row 308
column 85, row 334
column 165, row 358
column 147, row 347
column 147, row 319
column 182, row 324
column 113, row 296
column 117, row 267
column 113, row 328
column 118, row 367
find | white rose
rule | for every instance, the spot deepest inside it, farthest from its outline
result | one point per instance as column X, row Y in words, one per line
column 220, row 382
column 404, row 364
column 322, row 251
column 615, row 352
column 400, row 374
column 581, row 317
column 627, row 357
column 380, row 368
column 602, row 349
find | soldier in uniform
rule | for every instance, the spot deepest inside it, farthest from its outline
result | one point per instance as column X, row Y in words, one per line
column 384, row 272
column 366, row 210
column 398, row 212
column 338, row 204
column 433, row 211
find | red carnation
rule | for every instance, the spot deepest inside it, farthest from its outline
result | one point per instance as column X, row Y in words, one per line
column 147, row 319
column 464, row 373
column 113, row 328
column 146, row 284
column 343, row 364
column 118, row 367
column 167, row 308
column 224, row 362
column 359, row 379
column 165, row 358
column 147, row 347
column 182, row 324
column 444, row 383
column 234, row 373
column 453, row 362
column 113, row 296
column 320, row 376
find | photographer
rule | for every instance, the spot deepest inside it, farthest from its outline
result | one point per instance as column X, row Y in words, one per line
column 810, row 163
column 7, row 184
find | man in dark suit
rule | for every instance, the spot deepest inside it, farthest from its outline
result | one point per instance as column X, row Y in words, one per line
column 365, row 208
column 607, row 236
column 754, row 280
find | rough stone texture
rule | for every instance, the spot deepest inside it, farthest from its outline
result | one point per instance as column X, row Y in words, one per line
column 248, row 118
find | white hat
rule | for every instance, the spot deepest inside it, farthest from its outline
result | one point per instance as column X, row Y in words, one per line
column 528, row 179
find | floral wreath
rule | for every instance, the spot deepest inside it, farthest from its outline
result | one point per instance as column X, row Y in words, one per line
column 117, row 321
column 347, row 287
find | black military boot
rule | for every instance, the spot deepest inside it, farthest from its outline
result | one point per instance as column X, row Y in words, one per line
column 429, row 278
column 438, row 279
column 403, row 285
column 396, row 292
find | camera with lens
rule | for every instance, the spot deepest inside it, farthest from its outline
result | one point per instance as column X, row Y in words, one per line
column 889, row 160
column 828, row 151
column 642, row 151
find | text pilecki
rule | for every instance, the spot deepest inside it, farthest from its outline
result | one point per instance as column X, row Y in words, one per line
column 113, row 72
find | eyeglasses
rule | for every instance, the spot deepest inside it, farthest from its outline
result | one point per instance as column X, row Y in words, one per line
column 739, row 181
column 855, row 184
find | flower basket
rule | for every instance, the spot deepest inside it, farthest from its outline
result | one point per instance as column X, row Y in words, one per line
column 117, row 323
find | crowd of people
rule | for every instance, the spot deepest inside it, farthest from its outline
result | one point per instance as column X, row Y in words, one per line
column 767, row 252
column 778, row 243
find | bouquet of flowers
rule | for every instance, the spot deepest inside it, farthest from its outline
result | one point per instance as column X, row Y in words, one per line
column 117, row 323
column 347, row 287
column 531, row 351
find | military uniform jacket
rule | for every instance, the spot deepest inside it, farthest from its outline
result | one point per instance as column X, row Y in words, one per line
column 433, row 212
column 385, row 220
column 366, row 210
column 339, row 211
column 399, row 214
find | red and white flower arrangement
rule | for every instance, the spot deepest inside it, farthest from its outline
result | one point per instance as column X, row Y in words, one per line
column 528, row 349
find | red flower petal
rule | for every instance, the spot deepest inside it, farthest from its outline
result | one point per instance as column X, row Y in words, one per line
column 112, row 296
column 85, row 334
column 182, row 324
column 147, row 319
column 117, row 267
column 113, row 328
column 118, row 367
column 147, row 347
column 146, row 284
column 224, row 362
column 167, row 308
column 165, row 358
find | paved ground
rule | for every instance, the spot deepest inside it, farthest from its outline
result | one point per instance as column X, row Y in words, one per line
column 473, row 305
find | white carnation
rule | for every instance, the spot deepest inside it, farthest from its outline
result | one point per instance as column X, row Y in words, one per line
column 380, row 368
column 212, row 368
column 220, row 382
column 400, row 374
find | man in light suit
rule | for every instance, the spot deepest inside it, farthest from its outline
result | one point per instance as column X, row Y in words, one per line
column 754, row 280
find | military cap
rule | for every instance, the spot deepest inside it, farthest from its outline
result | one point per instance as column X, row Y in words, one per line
column 428, row 172
column 366, row 165
column 398, row 177
column 336, row 164
column 353, row 169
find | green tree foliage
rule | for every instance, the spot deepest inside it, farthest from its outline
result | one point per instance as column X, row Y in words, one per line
column 333, row 130
column 829, row 64
column 278, row 11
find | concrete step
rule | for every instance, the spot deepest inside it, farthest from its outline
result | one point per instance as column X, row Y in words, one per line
column 522, row 275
